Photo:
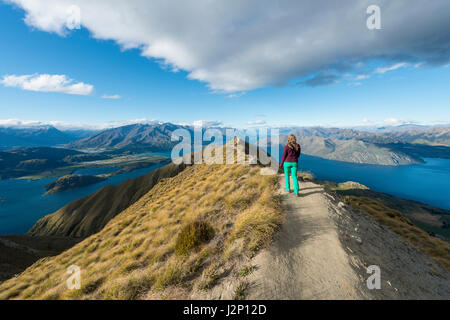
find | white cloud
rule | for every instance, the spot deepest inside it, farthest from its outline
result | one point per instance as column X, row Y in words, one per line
column 361, row 76
column 385, row 122
column 257, row 123
column 237, row 45
column 114, row 124
column 207, row 123
column 21, row 123
column 395, row 121
column 396, row 66
column 236, row 95
column 62, row 125
column 47, row 83
column 419, row 65
column 113, row 97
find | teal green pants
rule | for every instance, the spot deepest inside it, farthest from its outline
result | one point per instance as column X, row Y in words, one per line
column 290, row 168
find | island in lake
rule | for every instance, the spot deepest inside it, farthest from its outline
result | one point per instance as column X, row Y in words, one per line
column 72, row 181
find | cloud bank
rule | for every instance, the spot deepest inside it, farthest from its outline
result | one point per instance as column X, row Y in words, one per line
column 257, row 123
column 239, row 45
column 47, row 83
column 66, row 126
column 112, row 97
column 207, row 123
column 396, row 66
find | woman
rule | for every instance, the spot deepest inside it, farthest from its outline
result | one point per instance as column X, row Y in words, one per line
column 291, row 153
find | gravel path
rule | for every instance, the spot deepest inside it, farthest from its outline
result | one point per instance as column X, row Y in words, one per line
column 324, row 248
column 307, row 260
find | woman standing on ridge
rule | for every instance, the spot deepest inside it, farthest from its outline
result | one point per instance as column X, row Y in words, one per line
column 291, row 153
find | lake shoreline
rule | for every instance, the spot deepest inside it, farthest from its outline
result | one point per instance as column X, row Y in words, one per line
column 424, row 183
column 18, row 216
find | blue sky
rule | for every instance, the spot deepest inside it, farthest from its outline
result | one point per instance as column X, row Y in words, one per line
column 150, row 89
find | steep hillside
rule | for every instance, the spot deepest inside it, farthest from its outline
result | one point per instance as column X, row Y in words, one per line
column 79, row 219
column 86, row 216
column 419, row 150
column 184, row 234
column 435, row 221
column 17, row 252
column 151, row 137
column 228, row 232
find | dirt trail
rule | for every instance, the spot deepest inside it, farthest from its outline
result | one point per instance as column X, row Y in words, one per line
column 307, row 260
column 324, row 248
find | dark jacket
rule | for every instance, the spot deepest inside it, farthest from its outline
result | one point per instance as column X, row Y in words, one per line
column 290, row 155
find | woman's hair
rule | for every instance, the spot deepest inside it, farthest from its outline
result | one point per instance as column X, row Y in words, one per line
column 292, row 142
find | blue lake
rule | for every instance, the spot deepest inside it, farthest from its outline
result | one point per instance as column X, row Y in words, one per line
column 26, row 201
column 429, row 183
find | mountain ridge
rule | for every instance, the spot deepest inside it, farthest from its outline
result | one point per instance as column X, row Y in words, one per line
column 159, row 219
column 137, row 253
column 153, row 137
column 350, row 150
column 387, row 148
column 133, row 256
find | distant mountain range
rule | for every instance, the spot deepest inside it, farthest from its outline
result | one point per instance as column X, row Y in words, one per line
column 434, row 136
column 135, row 137
column 404, row 144
column 156, row 135
column 395, row 147
column 401, row 127
column 39, row 136
column 405, row 134
column 352, row 150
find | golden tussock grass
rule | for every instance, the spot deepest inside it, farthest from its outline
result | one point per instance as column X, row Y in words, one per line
column 175, row 238
column 434, row 247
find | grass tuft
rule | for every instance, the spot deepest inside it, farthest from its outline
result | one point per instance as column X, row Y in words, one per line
column 241, row 290
column 246, row 271
column 192, row 236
